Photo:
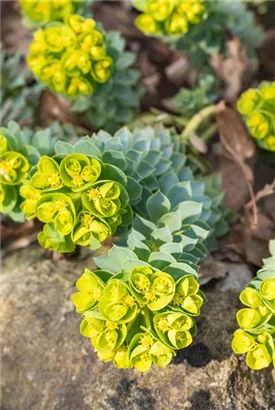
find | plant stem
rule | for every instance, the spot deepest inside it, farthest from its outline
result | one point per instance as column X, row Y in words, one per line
column 196, row 121
column 209, row 132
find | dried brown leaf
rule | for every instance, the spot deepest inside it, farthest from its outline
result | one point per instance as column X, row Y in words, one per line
column 234, row 136
column 234, row 184
column 177, row 71
column 235, row 69
column 211, row 269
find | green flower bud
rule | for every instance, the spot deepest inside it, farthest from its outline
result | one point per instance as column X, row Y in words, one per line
column 160, row 10
column 48, row 175
column 90, row 40
column 193, row 10
column 76, row 63
column 79, row 24
column 14, row 168
column 79, row 171
column 154, row 289
column 90, row 288
column 79, row 86
column 117, row 304
column 177, row 24
column 101, row 70
column 242, row 342
column 59, row 38
column 173, row 329
column 187, row 296
column 147, row 24
column 53, row 73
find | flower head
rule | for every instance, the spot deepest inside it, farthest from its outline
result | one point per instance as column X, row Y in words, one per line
column 70, row 58
column 258, row 108
column 170, row 17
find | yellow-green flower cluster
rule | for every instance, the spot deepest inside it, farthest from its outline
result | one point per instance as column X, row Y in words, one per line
column 170, row 17
column 14, row 169
column 258, row 108
column 132, row 319
column 256, row 336
column 76, row 204
column 70, row 57
column 42, row 12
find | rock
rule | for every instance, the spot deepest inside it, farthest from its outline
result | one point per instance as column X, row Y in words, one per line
column 48, row 365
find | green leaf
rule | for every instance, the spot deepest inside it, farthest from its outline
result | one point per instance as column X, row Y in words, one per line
column 115, row 259
column 87, row 148
column 157, row 205
column 113, row 173
column 172, row 221
column 190, row 211
column 114, row 158
column 125, row 60
column 63, row 148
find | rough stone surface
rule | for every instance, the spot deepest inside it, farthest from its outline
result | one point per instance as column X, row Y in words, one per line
column 47, row 365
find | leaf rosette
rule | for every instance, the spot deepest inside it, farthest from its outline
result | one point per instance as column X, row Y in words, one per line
column 139, row 296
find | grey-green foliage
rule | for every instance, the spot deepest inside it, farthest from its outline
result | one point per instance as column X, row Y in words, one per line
column 19, row 95
column 115, row 102
column 189, row 101
column 158, row 160
column 209, row 37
